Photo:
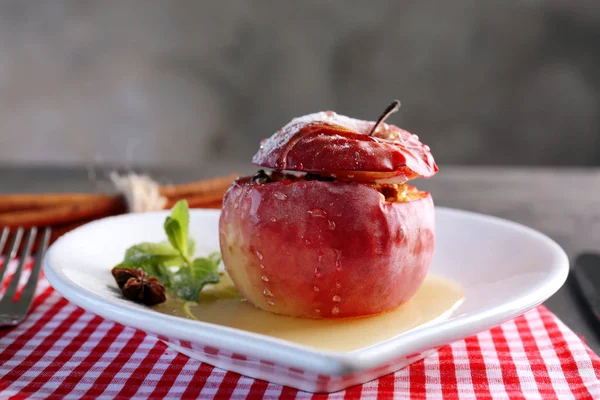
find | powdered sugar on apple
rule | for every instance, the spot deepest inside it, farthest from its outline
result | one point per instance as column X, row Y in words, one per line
column 324, row 141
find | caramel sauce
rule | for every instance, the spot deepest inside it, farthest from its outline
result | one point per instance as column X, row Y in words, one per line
column 221, row 305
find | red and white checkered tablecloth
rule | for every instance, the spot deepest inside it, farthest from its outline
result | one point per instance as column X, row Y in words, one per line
column 61, row 351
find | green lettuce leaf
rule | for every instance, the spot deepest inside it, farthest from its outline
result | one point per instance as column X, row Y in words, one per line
column 176, row 226
column 188, row 281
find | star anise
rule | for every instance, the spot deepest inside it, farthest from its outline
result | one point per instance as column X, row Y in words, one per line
column 137, row 286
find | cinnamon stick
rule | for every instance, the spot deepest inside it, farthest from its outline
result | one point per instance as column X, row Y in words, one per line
column 198, row 188
column 16, row 202
column 68, row 210
column 64, row 214
column 216, row 205
column 198, row 201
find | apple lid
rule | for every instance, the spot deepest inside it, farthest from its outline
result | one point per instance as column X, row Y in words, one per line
column 326, row 143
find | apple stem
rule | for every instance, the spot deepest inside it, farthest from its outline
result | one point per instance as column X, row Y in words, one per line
column 392, row 108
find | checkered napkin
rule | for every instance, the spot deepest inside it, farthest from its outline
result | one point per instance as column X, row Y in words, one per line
column 61, row 351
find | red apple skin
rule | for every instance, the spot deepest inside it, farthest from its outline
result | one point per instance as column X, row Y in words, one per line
column 327, row 143
column 320, row 249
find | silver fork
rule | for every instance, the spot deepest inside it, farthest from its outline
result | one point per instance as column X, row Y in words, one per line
column 12, row 313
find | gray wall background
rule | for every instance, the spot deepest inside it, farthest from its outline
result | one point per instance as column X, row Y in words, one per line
column 198, row 83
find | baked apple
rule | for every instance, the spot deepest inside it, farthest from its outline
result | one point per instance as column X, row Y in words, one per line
column 332, row 229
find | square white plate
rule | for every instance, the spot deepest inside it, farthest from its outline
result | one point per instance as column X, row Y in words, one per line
column 504, row 268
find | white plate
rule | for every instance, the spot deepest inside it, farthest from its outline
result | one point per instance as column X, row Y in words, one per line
column 505, row 269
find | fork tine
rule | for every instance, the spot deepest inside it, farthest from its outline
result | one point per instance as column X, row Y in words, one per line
column 27, row 295
column 14, row 283
column 12, row 249
column 3, row 238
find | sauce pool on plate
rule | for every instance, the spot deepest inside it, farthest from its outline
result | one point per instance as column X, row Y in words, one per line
column 221, row 305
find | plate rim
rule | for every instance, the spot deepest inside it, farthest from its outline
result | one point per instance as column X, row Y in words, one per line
column 323, row 361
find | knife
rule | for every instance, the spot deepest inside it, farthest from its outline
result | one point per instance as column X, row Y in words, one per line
column 587, row 275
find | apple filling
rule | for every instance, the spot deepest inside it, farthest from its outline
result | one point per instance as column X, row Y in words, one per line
column 398, row 192
column 389, row 192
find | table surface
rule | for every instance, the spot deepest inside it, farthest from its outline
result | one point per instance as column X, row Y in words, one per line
column 563, row 203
